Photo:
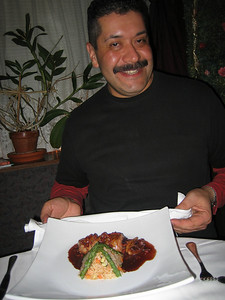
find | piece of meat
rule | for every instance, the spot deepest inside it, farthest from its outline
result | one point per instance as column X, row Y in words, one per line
column 87, row 243
column 136, row 246
column 113, row 240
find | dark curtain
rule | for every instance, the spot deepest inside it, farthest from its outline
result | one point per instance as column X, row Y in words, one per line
column 167, row 35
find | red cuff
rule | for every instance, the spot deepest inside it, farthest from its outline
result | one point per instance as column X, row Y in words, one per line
column 218, row 184
column 72, row 192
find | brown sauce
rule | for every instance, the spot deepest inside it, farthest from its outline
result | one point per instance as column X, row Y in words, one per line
column 75, row 257
column 131, row 262
column 134, row 262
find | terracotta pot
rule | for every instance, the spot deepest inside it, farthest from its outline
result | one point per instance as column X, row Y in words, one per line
column 24, row 141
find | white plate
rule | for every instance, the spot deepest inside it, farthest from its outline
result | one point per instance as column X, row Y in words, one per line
column 52, row 276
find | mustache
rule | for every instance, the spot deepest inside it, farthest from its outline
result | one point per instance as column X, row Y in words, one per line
column 130, row 67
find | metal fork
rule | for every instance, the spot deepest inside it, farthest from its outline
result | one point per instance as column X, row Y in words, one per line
column 204, row 275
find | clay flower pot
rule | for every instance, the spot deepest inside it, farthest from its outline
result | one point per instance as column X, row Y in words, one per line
column 24, row 141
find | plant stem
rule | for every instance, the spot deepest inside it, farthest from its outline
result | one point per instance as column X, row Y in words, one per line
column 67, row 98
column 19, row 99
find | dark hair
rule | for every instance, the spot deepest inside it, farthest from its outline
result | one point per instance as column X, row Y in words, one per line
column 100, row 8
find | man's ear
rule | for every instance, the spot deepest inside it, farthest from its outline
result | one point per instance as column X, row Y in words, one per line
column 92, row 55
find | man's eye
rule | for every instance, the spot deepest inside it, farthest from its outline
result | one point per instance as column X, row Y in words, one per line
column 141, row 41
column 114, row 45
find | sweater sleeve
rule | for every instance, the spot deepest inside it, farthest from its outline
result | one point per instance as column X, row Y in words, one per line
column 77, row 195
column 218, row 184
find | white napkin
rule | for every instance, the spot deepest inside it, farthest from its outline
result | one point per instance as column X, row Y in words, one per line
column 39, row 229
column 180, row 213
column 180, row 197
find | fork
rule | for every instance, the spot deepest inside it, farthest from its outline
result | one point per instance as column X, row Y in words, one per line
column 204, row 275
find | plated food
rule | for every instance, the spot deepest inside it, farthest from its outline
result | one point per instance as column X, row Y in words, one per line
column 109, row 255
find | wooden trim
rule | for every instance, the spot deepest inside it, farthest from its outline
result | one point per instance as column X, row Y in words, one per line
column 51, row 158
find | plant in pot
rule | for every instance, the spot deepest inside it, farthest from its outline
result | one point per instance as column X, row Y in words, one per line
column 22, row 112
column 31, row 103
column 25, row 101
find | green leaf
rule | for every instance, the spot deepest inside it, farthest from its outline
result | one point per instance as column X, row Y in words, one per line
column 29, row 34
column 87, row 72
column 44, row 53
column 95, row 77
column 10, row 63
column 28, row 64
column 76, row 100
column 60, row 61
column 11, row 33
column 57, row 54
column 14, row 80
column 38, row 78
column 58, row 71
column 39, row 27
column 50, row 63
column 35, row 41
column 47, row 75
column 28, row 74
column 34, row 45
column 52, row 114
column 92, row 85
column 19, row 67
column 27, row 22
column 17, row 72
column 57, row 133
column 19, row 42
column 74, row 81
column 3, row 77
column 20, row 38
column 21, row 32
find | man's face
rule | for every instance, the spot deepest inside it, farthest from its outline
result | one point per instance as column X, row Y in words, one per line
column 123, row 54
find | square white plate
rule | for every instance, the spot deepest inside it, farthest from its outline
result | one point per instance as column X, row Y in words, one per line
column 52, row 276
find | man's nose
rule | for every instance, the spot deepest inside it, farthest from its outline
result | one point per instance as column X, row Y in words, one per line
column 131, row 54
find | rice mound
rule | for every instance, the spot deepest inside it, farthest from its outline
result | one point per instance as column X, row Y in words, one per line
column 103, row 267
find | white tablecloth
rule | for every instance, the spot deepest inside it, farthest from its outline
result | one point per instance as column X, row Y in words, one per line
column 212, row 253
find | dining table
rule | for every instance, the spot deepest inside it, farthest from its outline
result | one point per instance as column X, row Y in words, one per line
column 212, row 253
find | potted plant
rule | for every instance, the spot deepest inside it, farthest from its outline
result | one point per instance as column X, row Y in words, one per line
column 31, row 103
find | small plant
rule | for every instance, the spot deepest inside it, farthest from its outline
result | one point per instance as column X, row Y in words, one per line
column 26, row 107
column 30, row 99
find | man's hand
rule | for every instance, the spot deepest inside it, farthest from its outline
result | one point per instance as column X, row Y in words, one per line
column 59, row 208
column 199, row 201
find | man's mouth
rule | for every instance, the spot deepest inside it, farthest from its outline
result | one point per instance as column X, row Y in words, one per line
column 131, row 69
column 132, row 72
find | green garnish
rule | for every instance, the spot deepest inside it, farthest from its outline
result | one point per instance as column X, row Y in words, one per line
column 98, row 247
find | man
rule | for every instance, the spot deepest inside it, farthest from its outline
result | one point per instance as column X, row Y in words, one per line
column 142, row 138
